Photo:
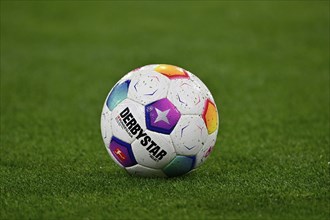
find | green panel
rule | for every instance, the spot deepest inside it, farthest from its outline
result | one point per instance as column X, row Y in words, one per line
column 179, row 166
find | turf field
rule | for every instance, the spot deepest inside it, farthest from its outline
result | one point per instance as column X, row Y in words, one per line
column 266, row 63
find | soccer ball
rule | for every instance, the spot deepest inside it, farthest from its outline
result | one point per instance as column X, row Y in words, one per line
column 159, row 120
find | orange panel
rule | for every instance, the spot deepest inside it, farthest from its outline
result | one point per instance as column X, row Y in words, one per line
column 171, row 71
column 210, row 117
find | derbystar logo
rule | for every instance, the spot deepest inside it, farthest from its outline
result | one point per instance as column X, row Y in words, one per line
column 126, row 120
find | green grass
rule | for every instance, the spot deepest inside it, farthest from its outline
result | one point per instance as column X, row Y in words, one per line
column 266, row 63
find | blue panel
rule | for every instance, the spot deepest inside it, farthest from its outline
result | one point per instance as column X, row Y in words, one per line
column 122, row 151
column 118, row 94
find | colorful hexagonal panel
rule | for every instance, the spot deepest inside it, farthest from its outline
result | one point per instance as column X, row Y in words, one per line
column 118, row 94
column 161, row 116
column 210, row 116
column 171, row 71
column 122, row 152
column 179, row 166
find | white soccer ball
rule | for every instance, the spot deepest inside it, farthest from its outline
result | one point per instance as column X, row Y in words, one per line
column 159, row 120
